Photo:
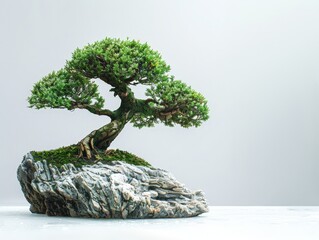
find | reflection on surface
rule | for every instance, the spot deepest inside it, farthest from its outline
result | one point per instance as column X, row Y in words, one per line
column 27, row 219
column 224, row 222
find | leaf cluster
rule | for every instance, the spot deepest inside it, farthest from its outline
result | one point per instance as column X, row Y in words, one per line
column 63, row 89
column 173, row 103
column 119, row 62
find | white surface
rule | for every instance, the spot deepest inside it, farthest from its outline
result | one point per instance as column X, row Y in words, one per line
column 247, row 223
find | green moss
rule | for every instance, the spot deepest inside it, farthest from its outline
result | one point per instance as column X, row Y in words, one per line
column 69, row 154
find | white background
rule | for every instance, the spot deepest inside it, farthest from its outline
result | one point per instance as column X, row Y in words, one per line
column 255, row 61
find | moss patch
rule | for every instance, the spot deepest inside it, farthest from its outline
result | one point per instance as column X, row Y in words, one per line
column 69, row 154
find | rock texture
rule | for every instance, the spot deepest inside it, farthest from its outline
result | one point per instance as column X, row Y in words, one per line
column 116, row 190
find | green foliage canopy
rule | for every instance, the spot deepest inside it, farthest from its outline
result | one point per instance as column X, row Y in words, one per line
column 121, row 63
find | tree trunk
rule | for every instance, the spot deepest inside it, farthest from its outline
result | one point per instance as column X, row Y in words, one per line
column 101, row 138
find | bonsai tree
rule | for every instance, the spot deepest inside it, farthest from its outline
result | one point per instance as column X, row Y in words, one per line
column 121, row 64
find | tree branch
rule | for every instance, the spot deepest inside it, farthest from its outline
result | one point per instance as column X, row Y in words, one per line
column 170, row 112
column 160, row 109
column 92, row 109
column 148, row 100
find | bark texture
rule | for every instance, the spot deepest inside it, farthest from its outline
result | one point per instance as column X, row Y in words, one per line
column 101, row 138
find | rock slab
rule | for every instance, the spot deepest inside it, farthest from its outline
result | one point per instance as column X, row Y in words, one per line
column 115, row 190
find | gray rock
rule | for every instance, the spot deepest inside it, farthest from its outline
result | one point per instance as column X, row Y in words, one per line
column 115, row 190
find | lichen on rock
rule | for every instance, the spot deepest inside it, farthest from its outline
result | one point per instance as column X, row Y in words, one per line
column 106, row 190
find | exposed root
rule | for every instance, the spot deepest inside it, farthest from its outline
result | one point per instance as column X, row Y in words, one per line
column 109, row 151
column 92, row 145
column 85, row 149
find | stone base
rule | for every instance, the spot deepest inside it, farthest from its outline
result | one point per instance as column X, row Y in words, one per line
column 115, row 190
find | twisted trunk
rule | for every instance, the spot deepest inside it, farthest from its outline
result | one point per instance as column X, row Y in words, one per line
column 101, row 138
